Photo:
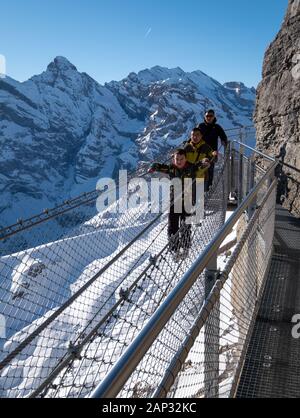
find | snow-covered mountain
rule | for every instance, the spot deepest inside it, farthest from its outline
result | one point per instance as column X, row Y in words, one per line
column 61, row 131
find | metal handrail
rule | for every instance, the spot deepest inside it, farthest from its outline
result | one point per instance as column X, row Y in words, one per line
column 268, row 157
column 239, row 128
column 288, row 165
column 203, row 315
column 125, row 366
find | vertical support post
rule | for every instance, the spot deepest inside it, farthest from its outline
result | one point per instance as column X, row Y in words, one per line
column 228, row 171
column 235, row 156
column 271, row 178
column 231, row 157
column 248, row 179
column 241, row 175
column 252, row 207
column 233, row 190
column 211, row 336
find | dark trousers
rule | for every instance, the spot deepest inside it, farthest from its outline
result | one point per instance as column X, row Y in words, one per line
column 210, row 173
column 177, row 223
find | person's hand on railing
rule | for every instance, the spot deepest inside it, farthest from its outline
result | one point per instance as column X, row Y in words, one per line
column 153, row 168
column 205, row 163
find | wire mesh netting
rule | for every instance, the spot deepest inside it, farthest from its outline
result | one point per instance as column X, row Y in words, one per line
column 73, row 305
column 271, row 367
column 209, row 337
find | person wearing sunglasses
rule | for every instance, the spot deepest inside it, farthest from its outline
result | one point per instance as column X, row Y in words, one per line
column 212, row 132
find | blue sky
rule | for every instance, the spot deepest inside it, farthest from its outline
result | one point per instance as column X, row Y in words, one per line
column 108, row 39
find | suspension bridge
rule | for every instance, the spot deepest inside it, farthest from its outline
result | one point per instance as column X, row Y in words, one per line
column 103, row 310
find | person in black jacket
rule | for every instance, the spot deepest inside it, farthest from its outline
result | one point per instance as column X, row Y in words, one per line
column 212, row 132
column 179, row 232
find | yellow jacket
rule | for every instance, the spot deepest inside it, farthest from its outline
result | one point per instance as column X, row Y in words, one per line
column 195, row 153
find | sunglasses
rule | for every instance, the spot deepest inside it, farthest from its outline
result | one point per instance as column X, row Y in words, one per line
column 209, row 116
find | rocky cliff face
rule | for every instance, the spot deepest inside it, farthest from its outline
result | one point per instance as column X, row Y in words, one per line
column 277, row 114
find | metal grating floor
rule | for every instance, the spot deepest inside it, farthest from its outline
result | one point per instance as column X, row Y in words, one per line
column 272, row 364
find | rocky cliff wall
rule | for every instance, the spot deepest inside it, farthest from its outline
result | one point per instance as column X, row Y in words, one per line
column 277, row 114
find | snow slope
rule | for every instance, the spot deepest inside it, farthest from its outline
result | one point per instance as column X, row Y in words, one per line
column 40, row 280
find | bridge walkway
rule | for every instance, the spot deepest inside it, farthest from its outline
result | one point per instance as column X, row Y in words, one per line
column 272, row 363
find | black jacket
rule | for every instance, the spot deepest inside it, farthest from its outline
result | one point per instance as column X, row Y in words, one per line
column 189, row 171
column 212, row 132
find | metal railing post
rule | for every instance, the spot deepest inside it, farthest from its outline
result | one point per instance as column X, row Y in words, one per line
column 272, row 177
column 228, row 172
column 211, row 335
column 233, row 190
column 251, row 184
column 241, row 174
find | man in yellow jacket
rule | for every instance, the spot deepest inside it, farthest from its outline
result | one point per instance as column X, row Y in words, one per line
column 197, row 152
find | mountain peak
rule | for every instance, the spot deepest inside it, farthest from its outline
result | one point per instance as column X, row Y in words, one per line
column 61, row 64
column 164, row 69
column 238, row 86
column 234, row 84
column 159, row 73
